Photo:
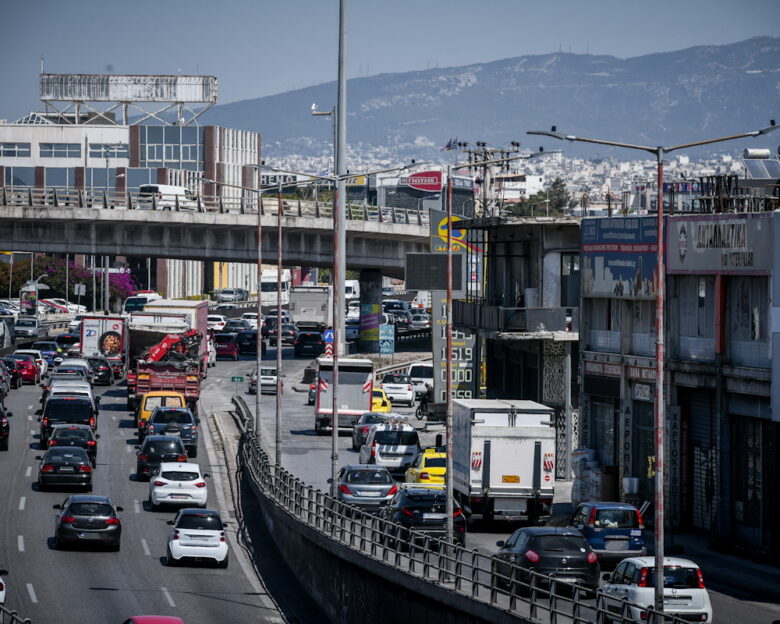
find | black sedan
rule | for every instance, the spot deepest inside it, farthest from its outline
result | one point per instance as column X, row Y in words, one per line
column 65, row 466
column 247, row 342
column 80, row 436
column 237, row 325
column 309, row 343
column 90, row 520
column 289, row 332
column 553, row 551
column 5, row 428
column 13, row 368
column 102, row 371
column 424, row 511
column 155, row 450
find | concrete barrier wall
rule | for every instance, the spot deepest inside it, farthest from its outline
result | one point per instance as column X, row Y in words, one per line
column 351, row 587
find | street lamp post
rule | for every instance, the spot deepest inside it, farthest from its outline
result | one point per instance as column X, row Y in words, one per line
column 659, row 344
column 278, row 440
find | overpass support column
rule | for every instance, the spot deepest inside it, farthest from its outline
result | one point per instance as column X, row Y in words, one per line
column 370, row 310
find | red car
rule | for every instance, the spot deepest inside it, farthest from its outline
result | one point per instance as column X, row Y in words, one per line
column 28, row 369
column 226, row 345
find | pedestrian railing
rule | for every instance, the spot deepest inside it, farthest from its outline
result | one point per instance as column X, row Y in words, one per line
column 112, row 200
column 12, row 617
column 478, row 576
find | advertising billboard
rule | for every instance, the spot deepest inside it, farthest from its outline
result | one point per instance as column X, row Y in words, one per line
column 619, row 257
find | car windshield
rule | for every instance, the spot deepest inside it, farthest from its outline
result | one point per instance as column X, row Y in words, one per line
column 436, row 462
column 396, row 438
column 96, row 363
column 369, row 476
column 397, row 379
column 309, row 337
column 172, row 416
column 160, row 401
column 157, row 448
column 73, row 370
column 421, row 371
column 268, row 372
column 202, row 522
column 370, row 419
column 674, row 576
column 90, row 509
column 45, row 346
column 26, row 323
column 616, row 519
column 224, row 339
column 72, row 433
column 216, row 319
column 67, row 339
column 68, row 409
column 66, row 454
column 176, row 475
column 558, row 543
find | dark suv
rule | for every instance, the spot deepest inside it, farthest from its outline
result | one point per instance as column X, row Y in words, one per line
column 247, row 342
column 175, row 421
column 309, row 343
column 5, row 429
column 155, row 450
column 66, row 411
column 424, row 510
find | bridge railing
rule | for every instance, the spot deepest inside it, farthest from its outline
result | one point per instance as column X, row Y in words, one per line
column 501, row 584
column 7, row 616
column 56, row 197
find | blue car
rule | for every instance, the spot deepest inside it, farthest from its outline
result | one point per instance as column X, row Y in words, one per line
column 49, row 349
column 614, row 531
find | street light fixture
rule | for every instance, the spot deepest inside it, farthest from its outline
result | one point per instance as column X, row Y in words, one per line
column 659, row 305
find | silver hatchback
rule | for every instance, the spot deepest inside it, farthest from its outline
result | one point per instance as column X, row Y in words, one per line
column 366, row 486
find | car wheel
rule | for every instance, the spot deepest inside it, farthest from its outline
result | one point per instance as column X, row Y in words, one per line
column 4, row 445
column 235, row 357
column 116, row 547
column 41, row 486
column 169, row 560
column 224, row 562
column 88, row 487
column 193, row 452
column 152, row 506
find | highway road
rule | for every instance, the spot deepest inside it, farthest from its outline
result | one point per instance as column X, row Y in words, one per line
column 76, row 586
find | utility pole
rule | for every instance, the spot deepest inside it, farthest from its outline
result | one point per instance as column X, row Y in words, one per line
column 278, row 442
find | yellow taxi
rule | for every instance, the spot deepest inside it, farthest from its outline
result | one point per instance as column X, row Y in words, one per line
column 379, row 401
column 429, row 468
column 151, row 400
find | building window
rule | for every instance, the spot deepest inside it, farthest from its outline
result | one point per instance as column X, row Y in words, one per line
column 60, row 150
column 19, row 176
column 603, row 432
column 15, row 150
column 696, row 305
column 605, row 314
column 747, row 306
column 108, row 150
column 747, row 473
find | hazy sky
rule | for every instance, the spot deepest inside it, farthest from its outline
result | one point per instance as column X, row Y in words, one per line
column 263, row 47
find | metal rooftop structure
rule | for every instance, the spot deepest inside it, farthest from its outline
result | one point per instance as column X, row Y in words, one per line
column 68, row 95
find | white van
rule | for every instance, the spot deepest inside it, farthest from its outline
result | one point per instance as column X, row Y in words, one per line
column 351, row 289
column 166, row 197
column 422, row 376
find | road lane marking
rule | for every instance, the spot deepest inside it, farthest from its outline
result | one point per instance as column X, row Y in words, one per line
column 127, row 448
column 28, row 472
column 20, row 542
column 145, row 546
column 31, row 591
column 167, row 595
column 136, row 506
column 29, row 407
column 22, row 501
column 32, row 432
column 113, row 418
column 29, row 417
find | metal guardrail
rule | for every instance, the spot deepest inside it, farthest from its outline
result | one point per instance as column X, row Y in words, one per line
column 505, row 319
column 469, row 573
column 85, row 198
column 12, row 617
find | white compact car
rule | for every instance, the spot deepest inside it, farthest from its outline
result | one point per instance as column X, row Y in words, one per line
column 216, row 322
column 399, row 388
column 634, row 580
column 394, row 445
column 197, row 535
column 421, row 374
column 178, row 484
column 251, row 317
column 2, row 586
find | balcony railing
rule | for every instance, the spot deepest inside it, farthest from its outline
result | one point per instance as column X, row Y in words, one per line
column 498, row 318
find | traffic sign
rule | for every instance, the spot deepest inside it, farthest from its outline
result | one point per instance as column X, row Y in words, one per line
column 386, row 339
column 237, row 379
column 327, row 336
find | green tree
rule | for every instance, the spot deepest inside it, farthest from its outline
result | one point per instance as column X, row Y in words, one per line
column 536, row 204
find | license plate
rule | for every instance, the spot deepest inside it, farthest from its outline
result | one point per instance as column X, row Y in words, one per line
column 566, row 579
column 179, row 496
column 89, row 536
column 369, row 493
column 67, row 469
column 510, row 479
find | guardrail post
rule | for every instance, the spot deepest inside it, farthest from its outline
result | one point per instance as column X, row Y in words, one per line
column 129, row 201
column 200, row 203
column 29, row 197
column 56, row 199
column 406, row 213
column 241, row 207
column 392, row 212
column 300, row 210
column 419, row 217
column 262, row 206
column 105, row 200
column 475, row 574
column 221, row 206
column 5, row 197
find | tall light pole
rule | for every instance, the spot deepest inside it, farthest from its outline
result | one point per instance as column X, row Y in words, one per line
column 332, row 114
column 660, row 411
column 278, row 441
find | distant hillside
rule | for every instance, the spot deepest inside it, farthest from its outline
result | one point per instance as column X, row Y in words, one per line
column 667, row 98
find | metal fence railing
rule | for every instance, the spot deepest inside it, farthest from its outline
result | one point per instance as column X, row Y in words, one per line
column 7, row 616
column 472, row 574
column 86, row 198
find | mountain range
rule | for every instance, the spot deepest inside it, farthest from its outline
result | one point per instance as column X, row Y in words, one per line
column 657, row 99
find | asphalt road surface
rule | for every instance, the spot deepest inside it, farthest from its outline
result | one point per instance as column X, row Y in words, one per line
column 51, row 586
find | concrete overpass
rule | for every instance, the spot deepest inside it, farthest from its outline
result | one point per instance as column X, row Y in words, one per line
column 37, row 221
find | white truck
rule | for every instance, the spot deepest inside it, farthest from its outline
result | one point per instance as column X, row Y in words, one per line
column 503, row 459
column 269, row 287
column 351, row 289
column 311, row 307
column 356, row 385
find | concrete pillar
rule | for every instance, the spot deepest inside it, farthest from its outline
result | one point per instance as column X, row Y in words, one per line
column 370, row 310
